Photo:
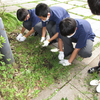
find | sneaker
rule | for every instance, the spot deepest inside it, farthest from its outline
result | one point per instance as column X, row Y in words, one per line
column 34, row 34
column 94, row 82
column 94, row 69
column 98, row 88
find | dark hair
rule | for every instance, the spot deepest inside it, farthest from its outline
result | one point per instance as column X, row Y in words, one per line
column 22, row 13
column 67, row 26
column 42, row 9
column 94, row 6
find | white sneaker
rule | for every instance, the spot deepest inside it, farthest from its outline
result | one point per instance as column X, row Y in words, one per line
column 98, row 88
column 54, row 50
column 94, row 82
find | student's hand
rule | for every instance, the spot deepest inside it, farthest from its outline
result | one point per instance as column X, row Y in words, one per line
column 19, row 36
column 42, row 39
column 22, row 38
column 64, row 62
column 61, row 55
column 46, row 42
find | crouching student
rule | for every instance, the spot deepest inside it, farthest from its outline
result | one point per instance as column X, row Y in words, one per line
column 94, row 6
column 78, row 31
column 50, row 17
column 30, row 21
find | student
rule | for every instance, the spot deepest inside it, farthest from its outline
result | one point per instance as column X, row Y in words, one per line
column 51, row 18
column 78, row 31
column 94, row 6
column 30, row 21
column 95, row 9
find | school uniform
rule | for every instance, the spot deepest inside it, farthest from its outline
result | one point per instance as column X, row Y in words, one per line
column 52, row 25
column 83, row 38
column 32, row 21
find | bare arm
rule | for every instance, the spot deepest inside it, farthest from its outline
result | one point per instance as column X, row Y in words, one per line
column 30, row 32
column 73, row 55
column 54, row 37
column 23, row 29
column 60, row 44
column 44, row 31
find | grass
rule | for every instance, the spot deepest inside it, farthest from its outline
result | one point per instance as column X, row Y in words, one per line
column 35, row 67
column 11, row 19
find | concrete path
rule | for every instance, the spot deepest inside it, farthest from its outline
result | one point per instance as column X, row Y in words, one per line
column 76, row 85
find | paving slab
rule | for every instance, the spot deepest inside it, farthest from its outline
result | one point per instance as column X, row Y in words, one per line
column 49, row 2
column 75, row 16
column 95, row 61
column 65, row 6
column 80, row 83
column 28, row 5
column 96, row 40
column 11, row 8
column 63, row 0
column 97, row 17
column 95, row 53
column 11, row 2
column 70, row 92
column 97, row 32
column 94, row 24
column 86, row 6
column 78, row 3
column 81, row 11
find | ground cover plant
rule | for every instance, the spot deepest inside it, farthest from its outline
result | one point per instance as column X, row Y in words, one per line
column 35, row 67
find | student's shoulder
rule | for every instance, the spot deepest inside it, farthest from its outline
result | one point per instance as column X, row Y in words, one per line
column 31, row 10
column 55, row 7
column 81, row 21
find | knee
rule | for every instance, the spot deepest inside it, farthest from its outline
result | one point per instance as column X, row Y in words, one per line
column 35, row 28
column 38, row 26
column 85, row 54
column 47, row 26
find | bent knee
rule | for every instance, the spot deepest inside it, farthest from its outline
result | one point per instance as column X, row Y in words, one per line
column 85, row 54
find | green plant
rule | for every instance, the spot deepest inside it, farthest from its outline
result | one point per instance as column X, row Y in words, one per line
column 95, row 98
column 64, row 98
column 2, row 40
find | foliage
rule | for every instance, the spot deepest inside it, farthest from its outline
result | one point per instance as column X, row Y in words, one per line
column 36, row 68
column 64, row 99
column 2, row 40
column 10, row 21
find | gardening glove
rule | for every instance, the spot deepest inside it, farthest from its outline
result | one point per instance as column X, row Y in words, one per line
column 46, row 42
column 19, row 36
column 22, row 38
column 61, row 55
column 42, row 39
column 64, row 62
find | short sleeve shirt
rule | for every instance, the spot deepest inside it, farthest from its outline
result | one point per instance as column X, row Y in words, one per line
column 57, row 14
column 83, row 32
